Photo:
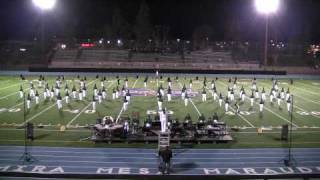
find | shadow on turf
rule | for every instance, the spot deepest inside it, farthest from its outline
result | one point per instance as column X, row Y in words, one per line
column 183, row 166
column 42, row 136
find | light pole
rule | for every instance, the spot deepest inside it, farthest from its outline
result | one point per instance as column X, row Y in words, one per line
column 43, row 5
column 266, row 7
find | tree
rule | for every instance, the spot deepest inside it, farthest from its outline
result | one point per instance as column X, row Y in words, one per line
column 143, row 28
column 120, row 26
column 201, row 36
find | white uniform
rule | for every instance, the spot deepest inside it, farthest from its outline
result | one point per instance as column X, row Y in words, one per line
column 95, row 91
column 32, row 92
column 215, row 96
column 84, row 93
column 251, row 101
column 279, row 101
column 243, row 96
column 232, row 97
column 28, row 103
column 67, row 99
column 74, row 94
column 94, row 106
column 263, row 96
column 204, row 97
column 80, row 96
column 220, row 102
column 183, row 95
column 271, row 97
column 37, row 99
column 169, row 97
column 104, row 95
column 114, row 95
column 99, row 98
column 125, row 105
column 59, row 103
column 186, row 101
column 288, row 106
column 261, row 107
column 21, row 94
column 160, row 105
column 226, row 107
column 163, row 121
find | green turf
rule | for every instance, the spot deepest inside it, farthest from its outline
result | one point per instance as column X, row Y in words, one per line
column 306, row 99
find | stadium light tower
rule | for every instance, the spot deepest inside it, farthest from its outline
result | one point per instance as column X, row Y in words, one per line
column 266, row 7
column 44, row 4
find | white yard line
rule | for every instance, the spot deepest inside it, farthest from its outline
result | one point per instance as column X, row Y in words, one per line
column 195, row 107
column 134, row 85
column 12, row 94
column 311, row 92
column 316, row 102
column 306, row 111
column 46, row 109
column 11, row 86
column 311, row 86
column 39, row 113
column 74, row 118
column 119, row 115
column 268, row 109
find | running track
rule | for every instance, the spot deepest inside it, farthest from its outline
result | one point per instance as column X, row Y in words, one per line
column 130, row 161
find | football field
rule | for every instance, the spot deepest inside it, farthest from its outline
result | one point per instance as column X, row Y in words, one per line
column 78, row 114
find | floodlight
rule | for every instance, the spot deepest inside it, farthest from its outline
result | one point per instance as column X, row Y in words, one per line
column 267, row 6
column 44, row 4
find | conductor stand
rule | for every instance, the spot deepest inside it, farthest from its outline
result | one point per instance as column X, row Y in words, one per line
column 289, row 160
column 26, row 157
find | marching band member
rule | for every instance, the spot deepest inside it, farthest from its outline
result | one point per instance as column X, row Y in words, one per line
column 204, row 95
column 282, row 93
column 123, row 91
column 212, row 84
column 271, row 96
column 163, row 120
column 28, row 101
column 287, row 94
column 257, row 93
column 145, row 82
column 232, row 95
column 104, row 93
column 279, row 99
column 56, row 90
column 289, row 104
column 186, row 99
column 261, row 105
column 113, row 94
column 190, row 84
column 160, row 101
column 74, row 92
column 243, row 96
column 251, row 99
column 84, row 90
column 215, row 94
column 220, row 100
column 59, row 101
column 66, row 88
column 80, row 94
column 226, row 105
column 117, row 92
column 21, row 92
column 126, row 82
column 125, row 104
column 128, row 96
column 169, row 82
column 95, row 90
column 32, row 91
column 169, row 94
column 263, row 94
column 81, row 83
column 67, row 97
column 183, row 93
column 99, row 97
column 37, row 97
column 51, row 93
column 94, row 103
column 102, row 82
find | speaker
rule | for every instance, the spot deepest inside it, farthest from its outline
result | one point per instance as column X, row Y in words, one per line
column 284, row 132
column 30, row 131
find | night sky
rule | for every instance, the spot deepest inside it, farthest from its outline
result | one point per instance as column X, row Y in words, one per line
column 297, row 19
